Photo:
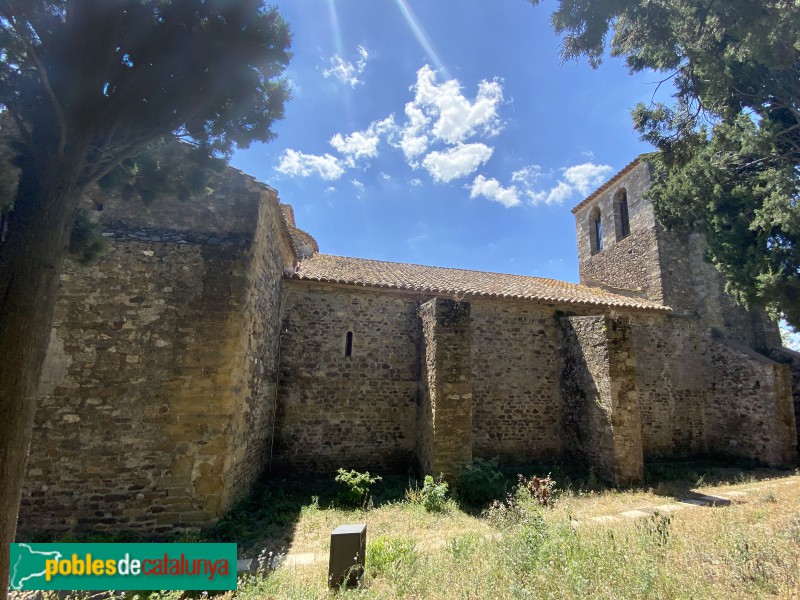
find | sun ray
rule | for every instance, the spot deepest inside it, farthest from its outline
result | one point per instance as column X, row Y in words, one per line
column 335, row 29
column 422, row 37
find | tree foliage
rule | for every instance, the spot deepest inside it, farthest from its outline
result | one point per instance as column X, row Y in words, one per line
column 89, row 85
column 729, row 142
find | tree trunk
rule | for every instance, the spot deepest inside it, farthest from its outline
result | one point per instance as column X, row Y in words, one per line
column 30, row 264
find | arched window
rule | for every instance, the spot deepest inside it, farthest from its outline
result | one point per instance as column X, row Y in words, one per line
column 596, row 231
column 348, row 344
column 621, row 218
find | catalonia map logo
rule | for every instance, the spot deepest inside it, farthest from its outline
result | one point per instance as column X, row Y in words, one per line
column 123, row 567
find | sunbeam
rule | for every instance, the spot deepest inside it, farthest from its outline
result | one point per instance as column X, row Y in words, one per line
column 336, row 31
column 422, row 37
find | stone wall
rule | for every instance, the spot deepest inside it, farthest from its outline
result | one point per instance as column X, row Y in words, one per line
column 515, row 374
column 628, row 265
column 749, row 409
column 671, row 377
column 444, row 442
column 792, row 359
column 256, row 387
column 664, row 266
column 339, row 411
column 150, row 391
column 601, row 420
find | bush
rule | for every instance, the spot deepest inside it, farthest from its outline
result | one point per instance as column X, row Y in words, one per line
column 354, row 487
column 386, row 554
column 480, row 482
column 434, row 494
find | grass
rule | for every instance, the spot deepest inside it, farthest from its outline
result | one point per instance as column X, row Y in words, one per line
column 518, row 549
column 748, row 549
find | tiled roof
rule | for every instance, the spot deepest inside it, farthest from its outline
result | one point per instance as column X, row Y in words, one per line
column 439, row 280
column 607, row 184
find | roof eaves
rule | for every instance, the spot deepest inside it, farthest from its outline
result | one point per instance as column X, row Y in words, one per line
column 626, row 169
column 473, row 293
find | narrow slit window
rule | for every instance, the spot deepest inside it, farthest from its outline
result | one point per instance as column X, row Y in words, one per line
column 597, row 232
column 348, row 344
column 622, row 211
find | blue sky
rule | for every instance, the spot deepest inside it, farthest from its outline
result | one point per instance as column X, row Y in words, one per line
column 444, row 133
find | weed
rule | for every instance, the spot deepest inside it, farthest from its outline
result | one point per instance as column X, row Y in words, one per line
column 386, row 555
column 751, row 565
column 434, row 494
column 656, row 529
column 355, row 487
column 464, row 546
column 794, row 529
column 541, row 488
column 480, row 482
column 768, row 498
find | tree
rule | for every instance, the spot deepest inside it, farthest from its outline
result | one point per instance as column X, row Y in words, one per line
column 728, row 161
column 89, row 84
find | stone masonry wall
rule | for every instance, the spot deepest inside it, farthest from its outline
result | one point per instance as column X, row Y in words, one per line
column 601, row 419
column 664, row 266
column 146, row 366
column 749, row 411
column 792, row 359
column 256, row 389
column 445, row 414
column 671, row 377
column 338, row 411
column 628, row 265
column 131, row 427
column 515, row 374
column 585, row 386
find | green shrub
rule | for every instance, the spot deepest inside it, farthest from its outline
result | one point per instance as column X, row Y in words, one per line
column 480, row 482
column 354, row 487
column 387, row 554
column 434, row 494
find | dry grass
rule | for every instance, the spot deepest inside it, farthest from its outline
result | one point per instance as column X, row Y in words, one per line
column 749, row 549
column 428, row 529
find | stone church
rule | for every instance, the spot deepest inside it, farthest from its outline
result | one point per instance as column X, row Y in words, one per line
column 213, row 342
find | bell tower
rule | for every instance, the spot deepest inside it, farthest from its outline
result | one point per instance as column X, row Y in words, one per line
column 624, row 249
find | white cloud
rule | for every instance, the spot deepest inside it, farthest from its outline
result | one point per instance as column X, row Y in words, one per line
column 358, row 185
column 559, row 193
column 345, row 71
column 455, row 162
column 356, row 145
column 385, row 176
column 330, row 189
column 536, row 197
column 587, row 177
column 440, row 112
column 527, row 175
column 491, row 188
column 299, row 164
column 363, row 144
column 416, row 182
column 456, row 117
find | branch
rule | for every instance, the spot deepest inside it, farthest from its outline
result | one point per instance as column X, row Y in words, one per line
column 21, row 127
column 31, row 49
column 132, row 150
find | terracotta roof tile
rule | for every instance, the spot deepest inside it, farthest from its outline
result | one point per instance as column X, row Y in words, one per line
column 439, row 280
